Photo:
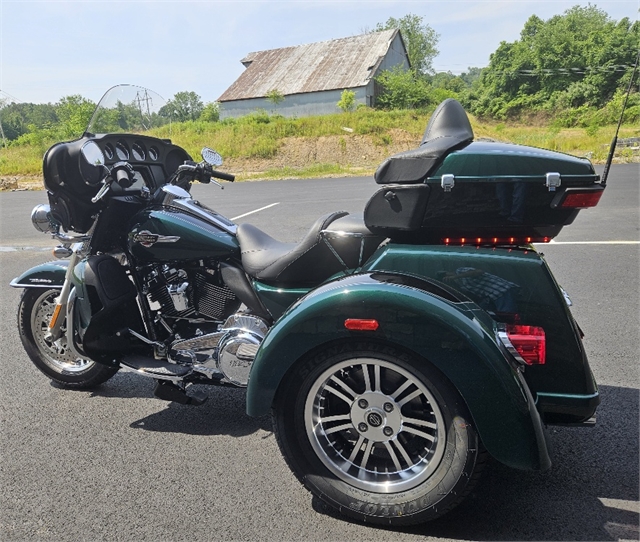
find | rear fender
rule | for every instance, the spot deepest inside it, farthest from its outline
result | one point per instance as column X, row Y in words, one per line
column 46, row 275
column 429, row 320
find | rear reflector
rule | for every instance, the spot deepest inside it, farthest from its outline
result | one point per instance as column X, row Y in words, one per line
column 526, row 343
column 356, row 324
column 581, row 200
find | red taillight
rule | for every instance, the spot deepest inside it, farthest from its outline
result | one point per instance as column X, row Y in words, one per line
column 358, row 324
column 581, row 200
column 529, row 342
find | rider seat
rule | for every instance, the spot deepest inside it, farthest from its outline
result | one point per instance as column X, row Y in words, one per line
column 336, row 242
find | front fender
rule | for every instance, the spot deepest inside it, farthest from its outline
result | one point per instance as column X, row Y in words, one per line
column 420, row 316
column 46, row 275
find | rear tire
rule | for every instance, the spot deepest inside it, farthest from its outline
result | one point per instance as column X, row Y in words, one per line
column 54, row 359
column 377, row 434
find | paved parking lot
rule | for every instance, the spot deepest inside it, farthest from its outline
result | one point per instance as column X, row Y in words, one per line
column 117, row 464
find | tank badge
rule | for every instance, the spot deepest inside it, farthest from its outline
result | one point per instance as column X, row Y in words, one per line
column 148, row 239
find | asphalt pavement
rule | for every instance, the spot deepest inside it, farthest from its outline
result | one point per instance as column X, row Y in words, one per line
column 117, row 464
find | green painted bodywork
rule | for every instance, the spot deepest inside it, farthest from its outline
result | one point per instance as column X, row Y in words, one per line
column 46, row 275
column 457, row 338
column 504, row 161
column 537, row 300
column 197, row 239
column 276, row 299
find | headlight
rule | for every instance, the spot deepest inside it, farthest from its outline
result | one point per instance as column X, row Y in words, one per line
column 41, row 218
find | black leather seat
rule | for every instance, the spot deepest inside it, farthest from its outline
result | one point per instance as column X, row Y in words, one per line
column 448, row 129
column 311, row 261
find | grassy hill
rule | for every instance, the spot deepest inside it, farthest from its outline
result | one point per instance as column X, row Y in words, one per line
column 263, row 146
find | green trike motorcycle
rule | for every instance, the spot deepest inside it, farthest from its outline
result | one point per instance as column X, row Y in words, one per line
column 396, row 350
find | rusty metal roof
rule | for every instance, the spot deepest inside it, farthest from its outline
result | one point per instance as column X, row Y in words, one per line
column 326, row 65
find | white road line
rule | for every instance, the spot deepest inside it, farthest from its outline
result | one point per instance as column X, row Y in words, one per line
column 256, row 211
column 552, row 242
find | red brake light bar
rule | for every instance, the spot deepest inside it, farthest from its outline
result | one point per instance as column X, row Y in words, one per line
column 478, row 241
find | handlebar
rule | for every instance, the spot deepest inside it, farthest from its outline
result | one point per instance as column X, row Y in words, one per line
column 201, row 172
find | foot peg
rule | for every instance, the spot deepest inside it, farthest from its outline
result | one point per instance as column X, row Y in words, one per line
column 168, row 391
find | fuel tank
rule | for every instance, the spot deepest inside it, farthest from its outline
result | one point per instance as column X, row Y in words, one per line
column 185, row 231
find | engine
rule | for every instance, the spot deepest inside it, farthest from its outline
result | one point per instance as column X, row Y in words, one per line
column 201, row 311
column 178, row 293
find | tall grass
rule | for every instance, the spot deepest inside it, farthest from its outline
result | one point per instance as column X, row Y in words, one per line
column 261, row 135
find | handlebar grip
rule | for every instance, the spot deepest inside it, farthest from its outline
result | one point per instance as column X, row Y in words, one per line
column 122, row 177
column 223, row 176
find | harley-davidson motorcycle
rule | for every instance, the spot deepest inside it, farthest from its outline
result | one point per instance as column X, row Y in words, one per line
column 396, row 350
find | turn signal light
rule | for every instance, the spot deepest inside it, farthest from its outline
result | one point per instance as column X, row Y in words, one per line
column 529, row 342
column 357, row 324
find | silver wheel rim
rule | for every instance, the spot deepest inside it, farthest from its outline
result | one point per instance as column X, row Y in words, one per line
column 56, row 354
column 375, row 425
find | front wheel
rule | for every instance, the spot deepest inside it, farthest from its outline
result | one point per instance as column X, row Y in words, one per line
column 54, row 358
column 378, row 435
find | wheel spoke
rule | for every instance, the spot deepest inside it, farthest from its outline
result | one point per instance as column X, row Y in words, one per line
column 409, row 397
column 401, row 389
column 365, row 459
column 336, row 418
column 356, row 449
column 339, row 394
column 337, row 428
column 419, row 433
column 367, row 378
column 393, row 455
column 376, row 378
column 343, row 385
column 403, row 452
column 422, row 423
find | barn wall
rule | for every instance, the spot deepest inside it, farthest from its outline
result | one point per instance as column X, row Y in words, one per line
column 294, row 105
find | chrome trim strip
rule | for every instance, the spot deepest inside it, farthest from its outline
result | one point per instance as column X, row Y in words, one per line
column 504, row 339
column 189, row 206
column 15, row 284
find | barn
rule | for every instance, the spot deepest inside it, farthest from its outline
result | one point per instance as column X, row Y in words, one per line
column 311, row 77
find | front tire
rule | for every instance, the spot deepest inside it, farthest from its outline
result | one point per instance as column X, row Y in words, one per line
column 377, row 434
column 54, row 359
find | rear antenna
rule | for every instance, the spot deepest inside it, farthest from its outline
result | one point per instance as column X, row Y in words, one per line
column 612, row 149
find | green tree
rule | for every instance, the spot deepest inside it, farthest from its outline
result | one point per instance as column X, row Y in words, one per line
column 401, row 89
column 570, row 60
column 419, row 38
column 275, row 97
column 211, row 112
column 74, row 113
column 184, row 106
column 347, row 100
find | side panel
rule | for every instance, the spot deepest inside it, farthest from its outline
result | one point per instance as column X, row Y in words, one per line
column 454, row 337
column 514, row 286
column 46, row 275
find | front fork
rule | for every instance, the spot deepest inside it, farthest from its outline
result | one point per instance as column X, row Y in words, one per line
column 54, row 331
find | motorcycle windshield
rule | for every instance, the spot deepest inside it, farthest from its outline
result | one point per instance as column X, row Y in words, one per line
column 130, row 109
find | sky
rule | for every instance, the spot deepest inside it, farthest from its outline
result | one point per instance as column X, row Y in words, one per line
column 50, row 49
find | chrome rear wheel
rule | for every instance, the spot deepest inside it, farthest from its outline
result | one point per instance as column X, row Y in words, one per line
column 375, row 425
column 378, row 434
